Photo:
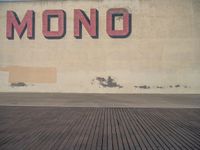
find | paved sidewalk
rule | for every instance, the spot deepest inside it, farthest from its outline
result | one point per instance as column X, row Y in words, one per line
column 101, row 100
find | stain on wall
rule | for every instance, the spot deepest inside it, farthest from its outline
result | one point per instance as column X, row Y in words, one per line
column 21, row 74
column 143, row 87
column 160, row 87
column 108, row 82
column 18, row 84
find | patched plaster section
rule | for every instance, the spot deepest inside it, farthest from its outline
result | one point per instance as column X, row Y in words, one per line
column 21, row 74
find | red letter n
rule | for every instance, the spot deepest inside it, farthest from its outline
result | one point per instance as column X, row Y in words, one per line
column 13, row 22
column 91, row 25
column 111, row 31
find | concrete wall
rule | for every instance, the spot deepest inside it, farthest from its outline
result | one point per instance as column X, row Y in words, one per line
column 162, row 54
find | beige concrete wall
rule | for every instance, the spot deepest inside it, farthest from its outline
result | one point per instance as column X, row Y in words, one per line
column 162, row 54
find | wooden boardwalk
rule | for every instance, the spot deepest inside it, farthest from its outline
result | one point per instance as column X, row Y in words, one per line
column 57, row 128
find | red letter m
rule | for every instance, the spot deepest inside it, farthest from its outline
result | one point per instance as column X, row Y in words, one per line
column 13, row 22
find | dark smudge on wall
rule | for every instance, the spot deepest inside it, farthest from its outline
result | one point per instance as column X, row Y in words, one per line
column 107, row 82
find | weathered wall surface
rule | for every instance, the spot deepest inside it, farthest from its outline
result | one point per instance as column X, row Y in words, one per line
column 161, row 55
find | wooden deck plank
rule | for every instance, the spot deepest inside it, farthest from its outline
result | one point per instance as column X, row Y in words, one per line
column 98, row 128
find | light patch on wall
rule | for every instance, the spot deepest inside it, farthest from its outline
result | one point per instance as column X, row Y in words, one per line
column 31, row 74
